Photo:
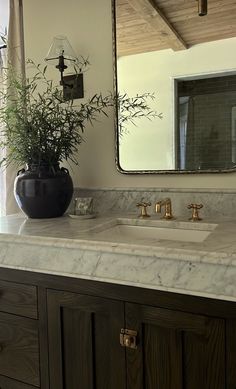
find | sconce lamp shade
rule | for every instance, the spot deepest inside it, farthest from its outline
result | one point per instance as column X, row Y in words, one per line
column 61, row 47
column 62, row 56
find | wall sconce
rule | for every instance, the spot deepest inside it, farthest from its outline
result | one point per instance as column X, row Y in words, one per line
column 202, row 7
column 62, row 55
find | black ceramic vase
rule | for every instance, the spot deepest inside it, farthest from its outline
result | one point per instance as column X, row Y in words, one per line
column 43, row 191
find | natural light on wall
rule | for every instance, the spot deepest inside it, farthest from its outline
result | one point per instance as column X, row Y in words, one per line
column 4, row 17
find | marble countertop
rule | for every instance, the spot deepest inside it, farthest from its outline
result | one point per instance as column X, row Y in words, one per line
column 72, row 247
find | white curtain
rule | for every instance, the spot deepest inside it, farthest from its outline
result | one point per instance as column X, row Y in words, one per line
column 15, row 53
column 3, row 62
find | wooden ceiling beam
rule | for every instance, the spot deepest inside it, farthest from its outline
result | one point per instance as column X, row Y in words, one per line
column 152, row 15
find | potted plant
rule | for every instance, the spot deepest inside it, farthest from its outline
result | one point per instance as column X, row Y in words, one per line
column 40, row 130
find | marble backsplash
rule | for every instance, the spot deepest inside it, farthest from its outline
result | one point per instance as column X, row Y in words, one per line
column 216, row 203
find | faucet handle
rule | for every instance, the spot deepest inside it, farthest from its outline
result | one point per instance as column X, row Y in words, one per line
column 143, row 205
column 195, row 214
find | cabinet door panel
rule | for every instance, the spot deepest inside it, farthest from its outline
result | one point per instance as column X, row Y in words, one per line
column 176, row 350
column 162, row 350
column 84, row 349
column 77, row 348
column 204, row 357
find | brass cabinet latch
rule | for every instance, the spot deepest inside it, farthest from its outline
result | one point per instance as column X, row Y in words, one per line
column 128, row 338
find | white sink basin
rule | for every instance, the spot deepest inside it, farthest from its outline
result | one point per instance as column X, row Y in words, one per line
column 145, row 231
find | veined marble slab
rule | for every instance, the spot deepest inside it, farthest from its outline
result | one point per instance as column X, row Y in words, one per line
column 69, row 247
column 217, row 202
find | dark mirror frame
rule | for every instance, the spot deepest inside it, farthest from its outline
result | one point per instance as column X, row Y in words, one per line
column 117, row 159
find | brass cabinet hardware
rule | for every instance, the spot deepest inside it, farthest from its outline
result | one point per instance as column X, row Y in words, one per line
column 168, row 208
column 143, row 205
column 195, row 214
column 128, row 338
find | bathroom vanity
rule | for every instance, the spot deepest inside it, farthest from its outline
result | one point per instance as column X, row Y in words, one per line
column 116, row 303
column 76, row 309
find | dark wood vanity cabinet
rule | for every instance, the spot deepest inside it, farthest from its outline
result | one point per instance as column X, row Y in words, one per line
column 167, row 349
column 92, row 335
column 84, row 349
column 176, row 350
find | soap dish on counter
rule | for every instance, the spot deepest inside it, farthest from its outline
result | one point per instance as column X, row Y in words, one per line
column 82, row 217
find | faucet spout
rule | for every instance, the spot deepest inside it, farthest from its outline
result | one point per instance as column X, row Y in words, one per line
column 168, row 208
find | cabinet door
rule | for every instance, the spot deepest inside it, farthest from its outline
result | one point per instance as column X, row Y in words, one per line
column 176, row 350
column 84, row 348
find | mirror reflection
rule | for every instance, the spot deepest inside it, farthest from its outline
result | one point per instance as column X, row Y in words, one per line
column 185, row 78
column 206, row 123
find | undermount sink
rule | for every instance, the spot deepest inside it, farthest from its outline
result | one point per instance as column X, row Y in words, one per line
column 155, row 230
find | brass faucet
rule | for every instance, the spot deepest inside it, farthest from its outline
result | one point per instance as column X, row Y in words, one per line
column 168, row 209
column 143, row 205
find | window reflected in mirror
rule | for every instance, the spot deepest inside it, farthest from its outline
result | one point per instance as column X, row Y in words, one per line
column 206, row 131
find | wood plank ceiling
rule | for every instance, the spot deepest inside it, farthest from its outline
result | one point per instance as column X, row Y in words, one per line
column 150, row 25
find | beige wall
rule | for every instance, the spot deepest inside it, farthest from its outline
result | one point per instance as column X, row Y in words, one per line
column 87, row 24
column 149, row 144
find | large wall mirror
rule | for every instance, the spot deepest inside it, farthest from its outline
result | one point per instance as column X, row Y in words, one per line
column 176, row 82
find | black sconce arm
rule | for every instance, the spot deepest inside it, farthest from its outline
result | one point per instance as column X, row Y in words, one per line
column 202, row 7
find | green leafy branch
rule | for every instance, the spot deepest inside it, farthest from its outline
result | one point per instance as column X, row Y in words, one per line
column 131, row 109
column 38, row 125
